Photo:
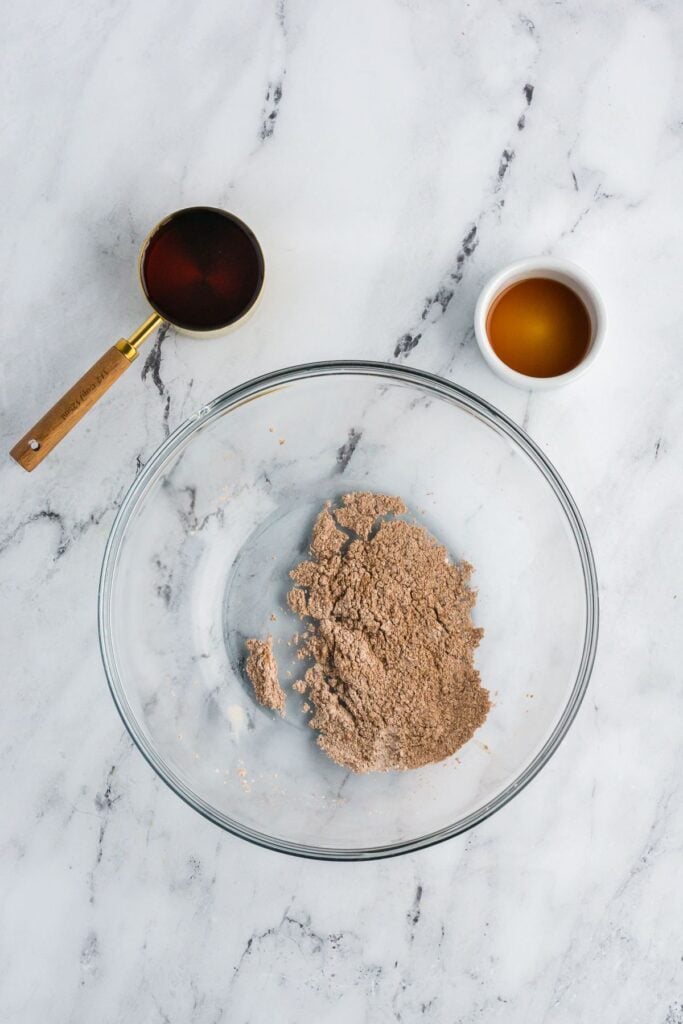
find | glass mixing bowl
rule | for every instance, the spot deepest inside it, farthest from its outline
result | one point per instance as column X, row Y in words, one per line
column 198, row 560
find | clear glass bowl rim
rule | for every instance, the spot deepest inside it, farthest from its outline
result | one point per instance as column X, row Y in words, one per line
column 435, row 385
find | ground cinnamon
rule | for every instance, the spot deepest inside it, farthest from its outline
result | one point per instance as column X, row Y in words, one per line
column 391, row 638
column 262, row 671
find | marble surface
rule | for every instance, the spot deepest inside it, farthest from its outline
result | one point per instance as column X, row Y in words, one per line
column 390, row 156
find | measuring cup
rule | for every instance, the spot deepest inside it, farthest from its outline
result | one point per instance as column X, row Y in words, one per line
column 201, row 270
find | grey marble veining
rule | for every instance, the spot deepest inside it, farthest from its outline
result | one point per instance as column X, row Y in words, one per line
column 390, row 156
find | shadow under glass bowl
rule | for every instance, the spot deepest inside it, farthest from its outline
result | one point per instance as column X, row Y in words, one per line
column 198, row 560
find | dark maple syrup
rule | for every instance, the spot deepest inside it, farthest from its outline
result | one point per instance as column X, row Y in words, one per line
column 539, row 327
column 202, row 269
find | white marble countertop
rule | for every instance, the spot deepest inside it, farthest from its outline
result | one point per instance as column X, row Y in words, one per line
column 386, row 153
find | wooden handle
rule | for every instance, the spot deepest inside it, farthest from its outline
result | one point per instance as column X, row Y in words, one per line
column 66, row 413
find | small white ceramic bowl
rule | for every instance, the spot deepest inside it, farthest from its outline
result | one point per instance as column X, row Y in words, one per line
column 556, row 270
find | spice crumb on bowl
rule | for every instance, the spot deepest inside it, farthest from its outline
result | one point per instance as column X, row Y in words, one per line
column 261, row 669
column 389, row 632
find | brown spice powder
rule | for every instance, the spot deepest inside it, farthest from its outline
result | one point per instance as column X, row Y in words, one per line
column 262, row 671
column 392, row 639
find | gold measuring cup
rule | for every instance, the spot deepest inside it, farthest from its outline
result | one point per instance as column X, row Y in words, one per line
column 201, row 270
